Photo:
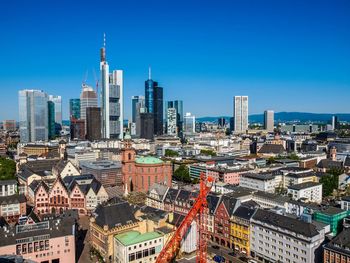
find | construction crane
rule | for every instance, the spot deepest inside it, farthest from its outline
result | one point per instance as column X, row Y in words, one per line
column 197, row 212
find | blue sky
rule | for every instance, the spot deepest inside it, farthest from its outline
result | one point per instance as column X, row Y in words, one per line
column 290, row 55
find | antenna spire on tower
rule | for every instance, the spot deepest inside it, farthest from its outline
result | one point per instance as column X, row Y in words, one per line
column 104, row 40
column 149, row 72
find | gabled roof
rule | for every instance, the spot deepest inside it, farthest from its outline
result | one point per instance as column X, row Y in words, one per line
column 341, row 242
column 35, row 185
column 244, row 212
column 347, row 161
column 112, row 215
column 160, row 189
column 229, row 202
column 328, row 163
column 284, row 222
column 213, row 201
column 272, row 148
column 171, row 195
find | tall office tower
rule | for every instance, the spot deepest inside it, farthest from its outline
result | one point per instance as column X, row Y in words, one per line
column 77, row 129
column 189, row 124
column 111, row 99
column 335, row 123
column 269, row 120
column 93, row 123
column 137, row 102
column 171, row 121
column 154, row 103
column 88, row 98
column 178, row 105
column 146, row 126
column 33, row 115
column 57, row 100
column 51, row 119
column 240, row 114
column 9, row 125
column 115, row 105
column 221, row 122
column 74, row 109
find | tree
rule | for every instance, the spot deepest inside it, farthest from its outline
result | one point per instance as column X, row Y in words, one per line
column 208, row 152
column 329, row 184
column 182, row 174
column 171, row 153
column 7, row 169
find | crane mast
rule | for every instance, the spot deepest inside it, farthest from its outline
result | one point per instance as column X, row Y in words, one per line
column 171, row 249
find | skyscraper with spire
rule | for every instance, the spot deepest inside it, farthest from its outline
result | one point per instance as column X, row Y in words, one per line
column 111, row 98
column 154, row 102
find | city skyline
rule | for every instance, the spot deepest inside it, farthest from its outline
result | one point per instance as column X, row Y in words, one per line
column 299, row 56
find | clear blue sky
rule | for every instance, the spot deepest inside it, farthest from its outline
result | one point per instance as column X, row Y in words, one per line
column 290, row 55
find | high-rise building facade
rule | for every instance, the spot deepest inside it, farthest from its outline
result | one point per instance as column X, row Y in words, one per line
column 57, row 100
column 137, row 102
column 269, row 120
column 93, row 123
column 240, row 114
column 33, row 115
column 171, row 121
column 146, row 126
column 111, row 99
column 189, row 124
column 74, row 108
column 88, row 98
column 51, row 119
column 154, row 103
column 178, row 105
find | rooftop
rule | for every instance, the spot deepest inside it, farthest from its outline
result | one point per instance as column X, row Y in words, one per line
column 134, row 237
column 148, row 160
column 303, row 185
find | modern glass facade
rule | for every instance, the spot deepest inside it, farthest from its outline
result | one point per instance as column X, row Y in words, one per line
column 137, row 102
column 74, row 108
column 178, row 105
column 33, row 115
column 58, row 108
column 51, row 119
column 154, row 104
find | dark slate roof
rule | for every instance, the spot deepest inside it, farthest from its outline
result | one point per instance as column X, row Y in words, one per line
column 3, row 222
column 113, row 215
column 272, row 148
column 341, row 242
column 303, row 185
column 259, row 176
column 57, row 228
column 250, row 204
column 176, row 219
column 327, row 163
column 153, row 213
column 244, row 212
column 301, row 175
column 8, row 182
column 12, row 199
column 346, row 198
column 347, row 161
column 229, row 202
column 284, row 222
column 212, row 201
column 171, row 195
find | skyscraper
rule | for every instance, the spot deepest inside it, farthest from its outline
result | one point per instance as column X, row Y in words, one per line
column 171, row 121
column 178, row 105
column 146, row 126
column 33, row 115
column 111, row 99
column 74, row 108
column 57, row 100
column 240, row 113
column 269, row 120
column 189, row 124
column 93, row 123
column 154, row 103
column 88, row 98
column 51, row 119
column 137, row 102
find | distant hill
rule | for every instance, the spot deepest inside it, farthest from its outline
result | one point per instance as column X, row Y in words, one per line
column 288, row 117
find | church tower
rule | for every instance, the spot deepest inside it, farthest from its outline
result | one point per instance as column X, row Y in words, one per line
column 128, row 165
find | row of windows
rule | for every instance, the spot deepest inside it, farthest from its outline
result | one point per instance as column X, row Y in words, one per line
column 142, row 254
column 156, row 241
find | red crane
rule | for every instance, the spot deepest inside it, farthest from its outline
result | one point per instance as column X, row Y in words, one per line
column 171, row 249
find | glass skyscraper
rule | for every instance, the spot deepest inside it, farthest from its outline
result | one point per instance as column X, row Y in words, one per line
column 240, row 110
column 33, row 115
column 51, row 119
column 58, row 108
column 154, row 103
column 137, row 102
column 74, row 109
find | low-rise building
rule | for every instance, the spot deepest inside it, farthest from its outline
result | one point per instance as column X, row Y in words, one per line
column 345, row 203
column 133, row 246
column 12, row 207
column 109, row 173
column 52, row 240
column 332, row 216
column 338, row 250
column 265, row 182
column 307, row 192
column 278, row 238
column 8, row 187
